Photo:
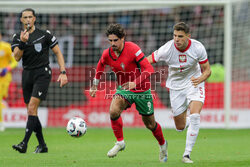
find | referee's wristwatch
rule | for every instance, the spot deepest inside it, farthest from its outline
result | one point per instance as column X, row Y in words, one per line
column 63, row 72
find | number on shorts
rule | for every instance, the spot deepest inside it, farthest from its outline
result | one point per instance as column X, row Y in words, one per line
column 201, row 90
column 149, row 106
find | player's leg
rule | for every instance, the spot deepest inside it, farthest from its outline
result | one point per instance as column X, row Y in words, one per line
column 181, row 121
column 117, row 105
column 40, row 90
column 179, row 105
column 196, row 97
column 42, row 147
column 1, row 114
column 151, row 124
column 193, row 129
column 27, row 86
column 4, row 85
column 32, row 107
column 145, row 107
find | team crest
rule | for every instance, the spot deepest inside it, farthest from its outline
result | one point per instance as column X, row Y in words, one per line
column 182, row 58
column 123, row 66
column 38, row 47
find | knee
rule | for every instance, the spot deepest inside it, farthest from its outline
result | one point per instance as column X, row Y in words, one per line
column 150, row 125
column 114, row 112
column 180, row 128
column 32, row 109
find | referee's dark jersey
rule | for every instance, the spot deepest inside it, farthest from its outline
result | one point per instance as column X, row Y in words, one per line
column 36, row 52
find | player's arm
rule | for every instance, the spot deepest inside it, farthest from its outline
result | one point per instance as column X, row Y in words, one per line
column 12, row 63
column 146, row 70
column 150, row 59
column 99, row 71
column 62, row 77
column 206, row 72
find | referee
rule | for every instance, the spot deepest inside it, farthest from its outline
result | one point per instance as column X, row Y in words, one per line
column 32, row 46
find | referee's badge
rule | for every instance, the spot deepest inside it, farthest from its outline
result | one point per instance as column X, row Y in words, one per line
column 38, row 47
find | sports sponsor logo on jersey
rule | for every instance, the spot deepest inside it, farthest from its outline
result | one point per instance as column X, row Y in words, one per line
column 182, row 58
column 38, row 47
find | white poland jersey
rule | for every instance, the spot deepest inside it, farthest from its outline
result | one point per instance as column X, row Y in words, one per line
column 182, row 65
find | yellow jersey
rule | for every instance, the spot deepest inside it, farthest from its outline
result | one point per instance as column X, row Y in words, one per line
column 6, row 59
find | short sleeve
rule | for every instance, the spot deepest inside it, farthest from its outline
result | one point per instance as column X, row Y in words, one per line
column 51, row 39
column 162, row 53
column 202, row 57
column 15, row 41
column 136, row 50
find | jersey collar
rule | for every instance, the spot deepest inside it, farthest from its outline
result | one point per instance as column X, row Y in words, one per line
column 112, row 53
column 189, row 44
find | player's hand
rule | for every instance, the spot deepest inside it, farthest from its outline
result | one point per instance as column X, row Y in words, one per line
column 3, row 72
column 24, row 36
column 62, row 79
column 92, row 91
column 128, row 85
column 195, row 81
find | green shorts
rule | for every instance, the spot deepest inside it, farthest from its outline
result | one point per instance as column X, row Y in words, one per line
column 143, row 100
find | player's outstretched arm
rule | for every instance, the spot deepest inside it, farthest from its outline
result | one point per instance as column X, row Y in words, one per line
column 99, row 71
column 62, row 77
column 150, row 59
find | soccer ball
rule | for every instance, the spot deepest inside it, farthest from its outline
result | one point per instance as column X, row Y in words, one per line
column 76, row 127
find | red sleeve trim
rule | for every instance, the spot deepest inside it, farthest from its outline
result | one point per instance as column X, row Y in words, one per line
column 202, row 62
column 153, row 57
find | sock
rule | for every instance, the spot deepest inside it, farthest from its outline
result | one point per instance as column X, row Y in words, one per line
column 187, row 122
column 192, row 133
column 39, row 133
column 117, row 125
column 157, row 132
column 30, row 126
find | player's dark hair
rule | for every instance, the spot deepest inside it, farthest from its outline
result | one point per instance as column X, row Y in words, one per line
column 29, row 10
column 181, row 26
column 116, row 29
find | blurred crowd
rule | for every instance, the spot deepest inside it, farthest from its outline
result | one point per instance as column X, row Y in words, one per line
column 148, row 28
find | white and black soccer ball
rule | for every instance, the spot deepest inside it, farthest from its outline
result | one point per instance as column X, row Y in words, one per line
column 76, row 127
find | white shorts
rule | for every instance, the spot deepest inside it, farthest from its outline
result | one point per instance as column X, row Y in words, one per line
column 180, row 99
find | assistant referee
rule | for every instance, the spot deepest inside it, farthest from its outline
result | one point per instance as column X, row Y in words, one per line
column 32, row 46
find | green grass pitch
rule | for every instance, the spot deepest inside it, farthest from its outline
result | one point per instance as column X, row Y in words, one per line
column 214, row 148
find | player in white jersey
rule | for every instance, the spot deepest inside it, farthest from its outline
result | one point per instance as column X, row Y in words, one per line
column 188, row 68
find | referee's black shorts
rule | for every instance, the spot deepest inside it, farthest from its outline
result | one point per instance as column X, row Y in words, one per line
column 35, row 83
